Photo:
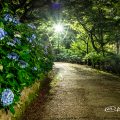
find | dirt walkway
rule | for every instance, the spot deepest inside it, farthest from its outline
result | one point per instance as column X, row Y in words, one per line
column 79, row 93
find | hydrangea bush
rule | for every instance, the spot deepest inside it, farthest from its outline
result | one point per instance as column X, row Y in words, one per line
column 24, row 58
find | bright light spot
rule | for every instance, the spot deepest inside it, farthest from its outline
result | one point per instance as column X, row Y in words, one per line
column 58, row 27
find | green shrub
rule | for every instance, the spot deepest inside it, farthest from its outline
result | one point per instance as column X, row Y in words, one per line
column 93, row 58
column 67, row 57
column 109, row 62
column 22, row 58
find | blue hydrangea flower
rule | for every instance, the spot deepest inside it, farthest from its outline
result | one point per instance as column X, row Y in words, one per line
column 30, row 39
column 45, row 52
column 46, row 49
column 13, row 56
column 109, row 68
column 16, row 41
column 10, row 44
column 35, row 68
column 8, row 17
column 32, row 26
column 2, row 33
column 33, row 36
column 7, row 97
column 23, row 64
column 16, row 21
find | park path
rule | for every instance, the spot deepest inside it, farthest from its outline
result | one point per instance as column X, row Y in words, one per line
column 78, row 93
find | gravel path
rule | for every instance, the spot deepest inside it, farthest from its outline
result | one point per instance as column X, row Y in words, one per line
column 77, row 93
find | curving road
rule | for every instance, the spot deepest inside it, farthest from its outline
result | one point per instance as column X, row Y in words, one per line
column 78, row 93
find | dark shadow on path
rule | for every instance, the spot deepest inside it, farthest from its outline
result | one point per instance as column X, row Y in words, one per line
column 37, row 104
column 36, row 108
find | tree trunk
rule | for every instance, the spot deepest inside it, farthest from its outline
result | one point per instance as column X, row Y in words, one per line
column 87, row 50
column 118, row 46
column 93, row 43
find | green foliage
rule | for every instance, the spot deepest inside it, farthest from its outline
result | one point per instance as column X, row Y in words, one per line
column 12, row 110
column 94, row 57
column 110, row 62
column 68, row 56
column 24, row 57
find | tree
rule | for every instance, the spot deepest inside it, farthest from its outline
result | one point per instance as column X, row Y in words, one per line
column 97, row 18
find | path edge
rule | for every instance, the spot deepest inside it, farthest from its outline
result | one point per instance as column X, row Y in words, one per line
column 28, row 95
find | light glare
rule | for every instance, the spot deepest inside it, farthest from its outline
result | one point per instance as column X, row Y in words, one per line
column 58, row 28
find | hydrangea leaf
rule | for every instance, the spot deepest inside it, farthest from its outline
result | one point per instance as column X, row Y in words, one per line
column 1, row 25
column 12, row 110
column 9, row 75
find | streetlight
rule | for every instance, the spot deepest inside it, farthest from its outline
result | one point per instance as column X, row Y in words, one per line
column 58, row 29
